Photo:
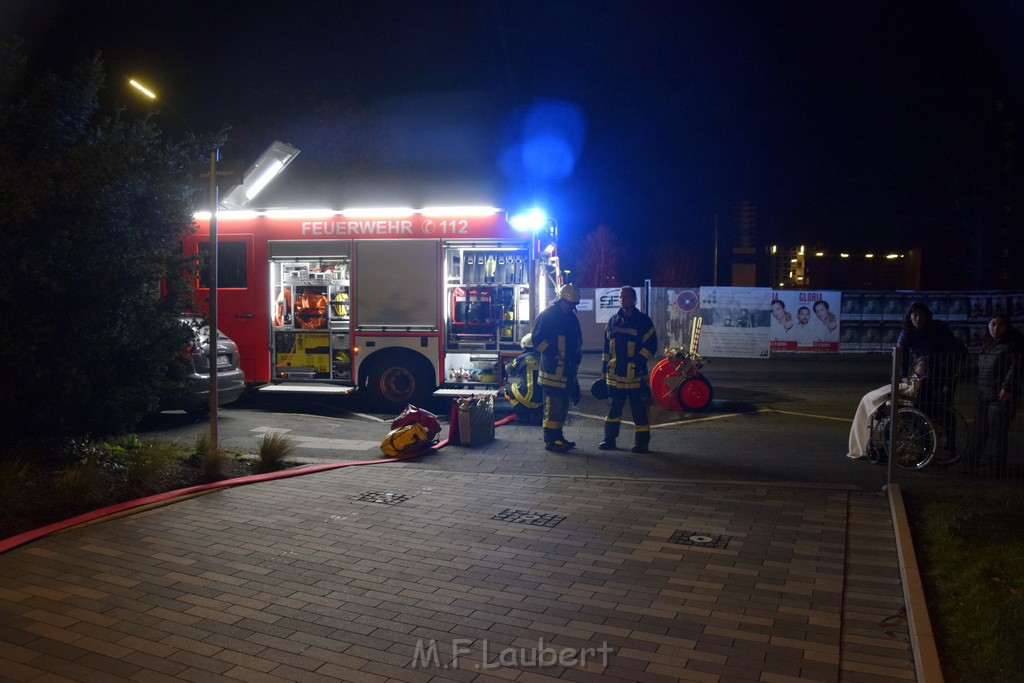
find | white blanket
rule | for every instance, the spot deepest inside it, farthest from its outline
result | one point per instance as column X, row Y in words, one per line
column 860, row 432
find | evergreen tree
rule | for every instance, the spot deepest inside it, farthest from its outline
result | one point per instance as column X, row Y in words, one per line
column 93, row 207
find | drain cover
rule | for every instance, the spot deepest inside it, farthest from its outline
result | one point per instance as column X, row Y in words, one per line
column 700, row 538
column 527, row 517
column 383, row 498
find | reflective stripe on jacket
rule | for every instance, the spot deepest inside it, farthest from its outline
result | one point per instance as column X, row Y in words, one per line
column 629, row 342
column 523, row 371
column 558, row 338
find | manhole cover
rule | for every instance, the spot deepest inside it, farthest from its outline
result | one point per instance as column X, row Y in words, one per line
column 700, row 538
column 527, row 517
column 383, row 498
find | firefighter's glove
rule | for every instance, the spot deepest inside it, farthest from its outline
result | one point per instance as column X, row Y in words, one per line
column 574, row 390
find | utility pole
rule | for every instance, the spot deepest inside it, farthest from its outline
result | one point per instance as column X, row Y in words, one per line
column 213, row 298
column 714, row 272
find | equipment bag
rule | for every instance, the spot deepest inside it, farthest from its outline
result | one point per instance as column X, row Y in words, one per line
column 476, row 420
column 404, row 440
column 414, row 415
column 311, row 311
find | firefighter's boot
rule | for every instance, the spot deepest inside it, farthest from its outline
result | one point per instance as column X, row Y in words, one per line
column 641, row 442
column 611, row 432
column 555, row 441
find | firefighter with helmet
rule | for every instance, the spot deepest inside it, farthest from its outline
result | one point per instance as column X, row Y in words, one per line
column 522, row 390
column 558, row 339
column 630, row 341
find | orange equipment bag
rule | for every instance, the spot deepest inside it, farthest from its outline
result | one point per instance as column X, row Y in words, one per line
column 311, row 311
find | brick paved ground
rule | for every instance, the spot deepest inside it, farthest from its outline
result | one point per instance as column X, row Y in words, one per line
column 466, row 576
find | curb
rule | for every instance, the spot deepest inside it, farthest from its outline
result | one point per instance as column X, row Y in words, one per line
column 922, row 639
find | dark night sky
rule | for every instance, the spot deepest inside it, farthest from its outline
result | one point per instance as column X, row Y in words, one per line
column 652, row 117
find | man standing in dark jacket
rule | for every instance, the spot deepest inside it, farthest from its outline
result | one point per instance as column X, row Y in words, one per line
column 629, row 343
column 924, row 339
column 559, row 340
column 999, row 375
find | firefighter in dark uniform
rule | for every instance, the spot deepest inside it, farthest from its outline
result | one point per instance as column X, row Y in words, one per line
column 522, row 390
column 630, row 341
column 559, row 340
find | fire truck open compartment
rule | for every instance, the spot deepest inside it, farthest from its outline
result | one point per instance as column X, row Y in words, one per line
column 487, row 295
column 309, row 295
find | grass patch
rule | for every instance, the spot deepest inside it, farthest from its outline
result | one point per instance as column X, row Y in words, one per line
column 972, row 556
column 213, row 460
column 274, row 450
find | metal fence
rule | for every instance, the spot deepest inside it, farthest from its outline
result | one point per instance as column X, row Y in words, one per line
column 947, row 426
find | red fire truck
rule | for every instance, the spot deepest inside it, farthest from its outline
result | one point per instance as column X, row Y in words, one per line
column 398, row 303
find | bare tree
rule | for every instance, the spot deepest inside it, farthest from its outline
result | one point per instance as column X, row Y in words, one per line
column 599, row 265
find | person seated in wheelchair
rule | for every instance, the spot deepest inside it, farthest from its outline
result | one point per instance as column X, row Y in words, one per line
column 522, row 390
column 860, row 431
column 933, row 395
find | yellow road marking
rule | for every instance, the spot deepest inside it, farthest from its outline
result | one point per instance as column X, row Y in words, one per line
column 719, row 417
column 820, row 417
column 698, row 419
column 592, row 417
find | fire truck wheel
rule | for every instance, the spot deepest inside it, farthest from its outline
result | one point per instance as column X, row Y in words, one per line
column 397, row 380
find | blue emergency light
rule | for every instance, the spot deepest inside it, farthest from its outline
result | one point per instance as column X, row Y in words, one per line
column 530, row 221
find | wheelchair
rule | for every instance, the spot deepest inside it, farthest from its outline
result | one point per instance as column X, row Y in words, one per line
column 919, row 441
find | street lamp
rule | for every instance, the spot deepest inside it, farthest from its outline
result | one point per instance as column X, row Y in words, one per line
column 269, row 165
column 141, row 88
column 257, row 177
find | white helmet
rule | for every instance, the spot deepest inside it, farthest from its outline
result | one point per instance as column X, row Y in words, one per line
column 570, row 293
column 527, row 341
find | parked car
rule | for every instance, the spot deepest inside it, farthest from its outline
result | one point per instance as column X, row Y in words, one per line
column 192, row 388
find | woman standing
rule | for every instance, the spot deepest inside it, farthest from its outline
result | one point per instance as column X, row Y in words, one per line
column 999, row 374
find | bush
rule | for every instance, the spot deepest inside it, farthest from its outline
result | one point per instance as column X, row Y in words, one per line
column 148, row 466
column 83, row 485
column 14, row 478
